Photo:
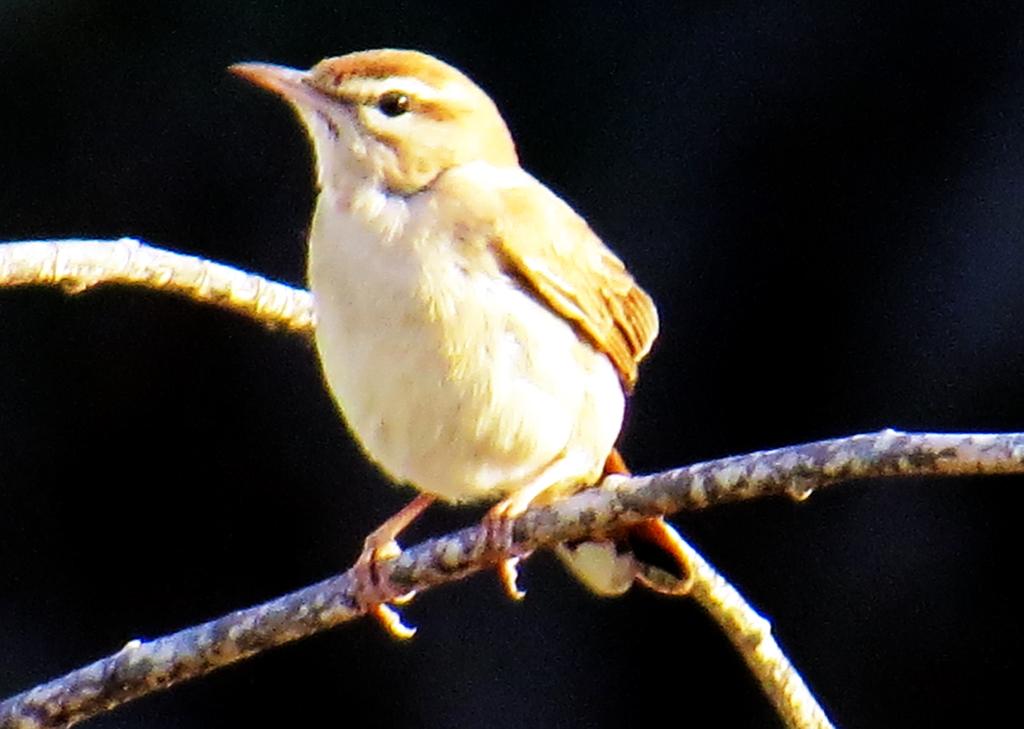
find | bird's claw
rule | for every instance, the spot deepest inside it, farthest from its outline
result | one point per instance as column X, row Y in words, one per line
column 369, row 587
column 392, row 621
column 498, row 529
column 508, row 572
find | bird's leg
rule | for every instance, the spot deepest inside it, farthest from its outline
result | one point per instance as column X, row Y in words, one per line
column 498, row 525
column 381, row 544
column 650, row 553
column 676, row 577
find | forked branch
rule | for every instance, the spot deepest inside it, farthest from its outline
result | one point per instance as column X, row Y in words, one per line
column 141, row 668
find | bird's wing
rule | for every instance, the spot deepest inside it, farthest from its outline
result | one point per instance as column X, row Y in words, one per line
column 560, row 260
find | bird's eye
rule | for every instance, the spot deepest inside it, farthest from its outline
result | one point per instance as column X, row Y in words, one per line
column 393, row 103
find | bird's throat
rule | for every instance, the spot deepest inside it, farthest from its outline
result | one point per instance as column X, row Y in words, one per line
column 365, row 204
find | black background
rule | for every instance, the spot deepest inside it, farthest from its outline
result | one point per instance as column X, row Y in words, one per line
column 825, row 200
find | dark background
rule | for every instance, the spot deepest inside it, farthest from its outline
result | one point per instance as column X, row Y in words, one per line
column 825, row 200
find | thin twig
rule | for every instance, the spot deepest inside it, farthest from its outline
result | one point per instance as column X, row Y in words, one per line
column 751, row 635
column 78, row 265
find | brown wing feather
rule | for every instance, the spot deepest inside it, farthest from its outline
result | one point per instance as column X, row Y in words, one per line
column 571, row 271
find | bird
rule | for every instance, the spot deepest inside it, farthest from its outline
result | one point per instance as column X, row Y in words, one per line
column 478, row 338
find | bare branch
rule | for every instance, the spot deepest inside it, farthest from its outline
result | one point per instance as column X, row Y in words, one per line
column 141, row 668
column 751, row 635
column 77, row 265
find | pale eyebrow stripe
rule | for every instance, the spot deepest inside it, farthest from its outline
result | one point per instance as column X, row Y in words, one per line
column 371, row 88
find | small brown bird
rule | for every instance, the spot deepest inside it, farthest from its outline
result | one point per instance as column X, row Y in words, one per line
column 478, row 337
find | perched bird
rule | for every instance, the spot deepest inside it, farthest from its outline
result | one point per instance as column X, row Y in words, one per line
column 477, row 336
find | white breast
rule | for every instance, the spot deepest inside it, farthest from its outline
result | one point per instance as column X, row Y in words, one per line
column 449, row 375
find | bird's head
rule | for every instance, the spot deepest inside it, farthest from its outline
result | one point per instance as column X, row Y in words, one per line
column 399, row 118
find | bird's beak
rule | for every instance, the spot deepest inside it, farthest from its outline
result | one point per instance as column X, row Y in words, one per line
column 289, row 83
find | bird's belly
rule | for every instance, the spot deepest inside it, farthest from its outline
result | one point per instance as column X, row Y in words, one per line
column 452, row 379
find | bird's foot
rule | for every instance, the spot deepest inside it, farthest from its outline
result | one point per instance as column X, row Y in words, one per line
column 498, row 523
column 370, row 585
column 662, row 563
